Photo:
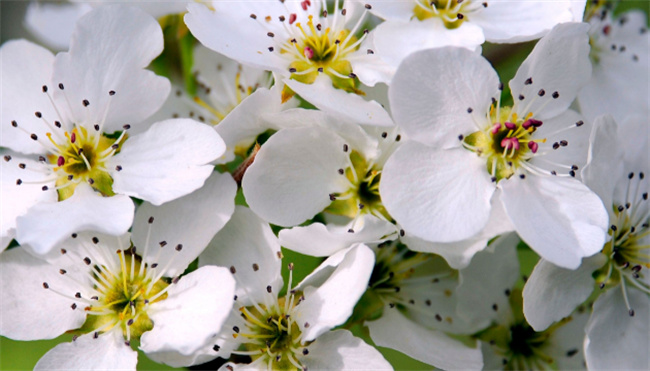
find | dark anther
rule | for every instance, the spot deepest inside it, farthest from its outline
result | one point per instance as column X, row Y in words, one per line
column 341, row 171
column 270, row 48
column 7, row 158
column 292, row 70
column 22, row 166
column 253, row 16
column 460, row 137
column 332, row 197
column 61, row 86
column 118, row 168
column 521, row 97
column 256, row 267
column 580, row 123
column 345, row 148
column 14, row 123
column 522, row 176
column 270, row 34
column 495, row 307
column 556, row 145
column 614, row 228
column 460, row 16
column 305, row 351
column 87, row 260
column 216, row 348
column 402, row 233
column 73, row 306
column 572, row 173
column 470, row 110
column 369, row 51
column 384, row 134
column 232, row 269
column 269, row 289
column 34, row 136
column 528, row 81
column 150, row 219
column 19, row 181
column 368, row 6
column 86, row 103
column 44, row 188
column 572, row 352
column 96, row 127
column 45, row 285
column 541, row 92
column 126, row 127
column 555, row 95
column 179, row 247
column 111, row 93
column 38, row 114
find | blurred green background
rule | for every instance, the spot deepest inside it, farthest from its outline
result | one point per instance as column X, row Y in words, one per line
column 16, row 355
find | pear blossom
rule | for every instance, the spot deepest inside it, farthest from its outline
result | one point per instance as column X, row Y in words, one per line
column 292, row 331
column 487, row 295
column 320, row 56
column 619, row 54
column 69, row 116
column 329, row 165
column 466, row 148
column 411, row 26
column 110, row 291
column 617, row 332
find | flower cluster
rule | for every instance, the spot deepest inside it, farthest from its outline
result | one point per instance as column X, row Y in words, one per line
column 172, row 169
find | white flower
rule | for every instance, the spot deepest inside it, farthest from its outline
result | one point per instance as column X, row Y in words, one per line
column 619, row 55
column 467, row 148
column 73, row 112
column 316, row 54
column 617, row 332
column 293, row 330
column 416, row 25
column 110, row 292
column 330, row 165
column 487, row 295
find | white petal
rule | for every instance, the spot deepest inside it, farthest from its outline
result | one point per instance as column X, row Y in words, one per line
column 458, row 254
column 235, row 35
column 109, row 50
column 52, row 24
column 25, row 68
column 395, row 41
column 29, row 312
column 436, row 112
column 245, row 122
column 614, row 339
column 393, row 330
column 370, row 67
column 563, row 128
column 603, row 168
column 46, row 224
column 392, row 10
column 559, row 218
column 294, row 173
column 437, row 195
column 247, row 232
column 552, row 293
column 565, row 344
column 318, row 239
column 107, row 352
column 191, row 315
column 483, row 283
column 558, row 63
column 340, row 350
column 332, row 303
column 168, row 161
column 17, row 199
column 192, row 221
column 322, row 94
column 517, row 21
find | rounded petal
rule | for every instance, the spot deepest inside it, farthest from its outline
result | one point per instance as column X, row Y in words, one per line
column 235, row 35
column 25, row 67
column 46, row 224
column 294, row 173
column 558, row 63
column 506, row 21
column 17, row 199
column 107, row 352
column 483, row 283
column 395, row 41
column 393, row 330
column 191, row 221
column 340, row 350
column 459, row 254
column 191, row 315
column 318, row 239
column 392, row 10
column 552, row 293
column 258, row 267
column 437, row 195
column 559, row 218
column 436, row 112
column 53, row 24
column 352, row 107
column 603, row 169
column 331, row 303
column 109, row 50
column 246, row 121
column 616, row 340
column 168, row 161
column 29, row 312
